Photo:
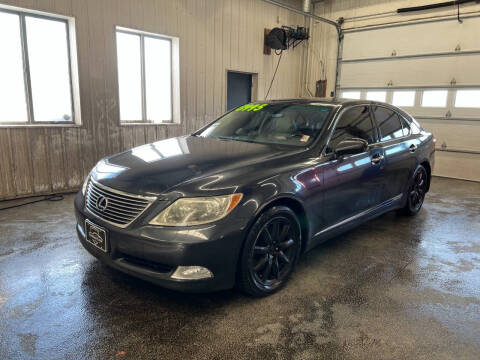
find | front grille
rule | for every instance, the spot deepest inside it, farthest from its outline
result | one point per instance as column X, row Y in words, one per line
column 113, row 206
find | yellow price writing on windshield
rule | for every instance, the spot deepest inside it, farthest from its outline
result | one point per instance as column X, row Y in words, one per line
column 251, row 107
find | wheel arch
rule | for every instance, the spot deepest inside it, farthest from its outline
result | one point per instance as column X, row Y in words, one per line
column 297, row 207
column 428, row 168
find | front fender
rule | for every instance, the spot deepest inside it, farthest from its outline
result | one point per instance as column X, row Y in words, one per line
column 278, row 190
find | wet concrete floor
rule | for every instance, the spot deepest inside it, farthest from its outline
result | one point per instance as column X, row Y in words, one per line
column 394, row 288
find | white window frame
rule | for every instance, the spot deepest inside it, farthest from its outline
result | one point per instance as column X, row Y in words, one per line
column 448, row 112
column 465, row 107
column 175, row 77
column 73, row 68
column 465, row 112
column 444, row 91
column 351, row 91
column 387, row 95
column 393, row 91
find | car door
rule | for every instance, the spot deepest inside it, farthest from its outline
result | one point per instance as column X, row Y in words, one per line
column 352, row 183
column 398, row 150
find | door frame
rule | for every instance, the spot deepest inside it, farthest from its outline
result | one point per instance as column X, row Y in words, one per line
column 254, row 89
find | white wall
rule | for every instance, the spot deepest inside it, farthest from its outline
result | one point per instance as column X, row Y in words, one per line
column 215, row 36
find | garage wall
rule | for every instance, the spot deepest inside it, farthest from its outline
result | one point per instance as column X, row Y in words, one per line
column 374, row 33
column 215, row 36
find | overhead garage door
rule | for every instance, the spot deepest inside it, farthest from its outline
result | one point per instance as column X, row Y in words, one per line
column 431, row 70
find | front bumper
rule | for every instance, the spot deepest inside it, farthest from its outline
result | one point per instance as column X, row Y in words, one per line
column 153, row 253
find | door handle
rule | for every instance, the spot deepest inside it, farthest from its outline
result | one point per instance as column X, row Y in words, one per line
column 412, row 148
column 377, row 158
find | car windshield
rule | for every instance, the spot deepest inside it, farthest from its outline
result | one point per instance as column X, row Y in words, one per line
column 284, row 124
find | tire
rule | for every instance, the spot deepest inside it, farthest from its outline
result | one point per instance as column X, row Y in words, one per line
column 270, row 252
column 416, row 192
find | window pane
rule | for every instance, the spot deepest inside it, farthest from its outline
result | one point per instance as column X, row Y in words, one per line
column 13, row 105
column 376, row 95
column 296, row 125
column 351, row 95
column 403, row 98
column 49, row 69
column 158, row 79
column 388, row 123
column 467, row 98
column 354, row 123
column 129, row 76
column 434, row 98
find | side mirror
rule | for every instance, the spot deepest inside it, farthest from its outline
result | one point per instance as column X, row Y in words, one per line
column 350, row 147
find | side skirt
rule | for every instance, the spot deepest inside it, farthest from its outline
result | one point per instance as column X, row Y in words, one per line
column 355, row 220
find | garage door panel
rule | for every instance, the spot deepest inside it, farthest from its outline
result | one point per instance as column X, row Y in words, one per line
column 435, row 37
column 438, row 71
column 457, row 165
column 425, row 58
column 460, row 135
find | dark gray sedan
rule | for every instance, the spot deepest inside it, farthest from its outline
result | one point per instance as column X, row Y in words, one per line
column 240, row 200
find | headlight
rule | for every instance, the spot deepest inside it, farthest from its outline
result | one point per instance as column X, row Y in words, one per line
column 197, row 211
column 85, row 183
column 84, row 186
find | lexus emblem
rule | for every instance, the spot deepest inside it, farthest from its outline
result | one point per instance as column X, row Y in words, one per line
column 102, row 203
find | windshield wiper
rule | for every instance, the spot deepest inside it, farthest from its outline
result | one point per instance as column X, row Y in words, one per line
column 246, row 140
column 236, row 139
column 224, row 138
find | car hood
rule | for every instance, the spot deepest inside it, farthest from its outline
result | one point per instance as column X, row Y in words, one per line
column 155, row 168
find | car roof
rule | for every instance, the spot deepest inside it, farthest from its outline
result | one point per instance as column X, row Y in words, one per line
column 318, row 100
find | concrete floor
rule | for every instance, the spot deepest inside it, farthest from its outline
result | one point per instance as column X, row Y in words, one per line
column 395, row 288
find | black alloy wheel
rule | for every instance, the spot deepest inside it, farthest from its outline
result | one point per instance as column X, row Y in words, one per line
column 271, row 251
column 416, row 192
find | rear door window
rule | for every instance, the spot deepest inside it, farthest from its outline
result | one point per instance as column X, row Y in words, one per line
column 388, row 123
column 354, row 123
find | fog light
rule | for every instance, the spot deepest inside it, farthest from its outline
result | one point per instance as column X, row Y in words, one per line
column 191, row 273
